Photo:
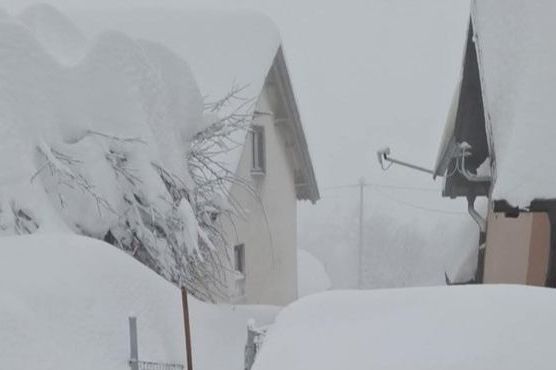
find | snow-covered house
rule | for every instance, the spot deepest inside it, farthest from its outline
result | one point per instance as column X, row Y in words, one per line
column 499, row 138
column 227, row 49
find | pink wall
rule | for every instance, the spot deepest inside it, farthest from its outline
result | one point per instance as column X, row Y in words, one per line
column 517, row 249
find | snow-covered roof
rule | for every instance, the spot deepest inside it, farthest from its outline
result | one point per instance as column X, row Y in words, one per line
column 516, row 57
column 223, row 48
column 65, row 302
column 458, row 328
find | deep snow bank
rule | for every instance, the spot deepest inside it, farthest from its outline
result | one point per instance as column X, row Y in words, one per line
column 94, row 138
column 65, row 300
column 467, row 327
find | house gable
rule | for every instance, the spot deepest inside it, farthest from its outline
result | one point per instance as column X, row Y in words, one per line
column 288, row 119
column 466, row 124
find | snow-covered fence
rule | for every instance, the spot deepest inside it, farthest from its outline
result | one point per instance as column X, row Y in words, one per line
column 255, row 338
column 134, row 361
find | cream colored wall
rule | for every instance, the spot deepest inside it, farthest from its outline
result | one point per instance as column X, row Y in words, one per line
column 517, row 249
column 270, row 229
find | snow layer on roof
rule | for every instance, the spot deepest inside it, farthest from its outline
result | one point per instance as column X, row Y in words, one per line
column 65, row 303
column 458, row 328
column 222, row 48
column 225, row 50
column 517, row 56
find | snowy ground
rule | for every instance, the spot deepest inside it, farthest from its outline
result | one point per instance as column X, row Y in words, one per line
column 65, row 302
column 457, row 328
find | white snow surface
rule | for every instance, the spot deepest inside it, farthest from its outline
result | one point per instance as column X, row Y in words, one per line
column 65, row 302
column 55, row 32
column 311, row 274
column 112, row 101
column 225, row 49
column 517, row 61
column 458, row 328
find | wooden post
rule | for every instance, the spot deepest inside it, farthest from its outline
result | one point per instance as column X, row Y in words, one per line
column 187, row 327
column 361, row 244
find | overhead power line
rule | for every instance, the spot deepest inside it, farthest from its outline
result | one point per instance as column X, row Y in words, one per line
column 422, row 208
column 378, row 186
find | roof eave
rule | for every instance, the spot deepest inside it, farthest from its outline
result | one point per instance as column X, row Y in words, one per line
column 308, row 189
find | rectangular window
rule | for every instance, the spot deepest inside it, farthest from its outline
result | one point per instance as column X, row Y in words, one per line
column 239, row 258
column 258, row 148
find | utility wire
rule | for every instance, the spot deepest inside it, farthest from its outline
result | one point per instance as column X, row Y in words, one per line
column 402, row 202
column 411, row 205
column 377, row 185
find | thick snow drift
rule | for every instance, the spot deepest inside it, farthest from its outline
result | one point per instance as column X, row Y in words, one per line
column 517, row 61
column 311, row 274
column 222, row 48
column 65, row 302
column 94, row 137
column 457, row 328
column 55, row 32
column 226, row 51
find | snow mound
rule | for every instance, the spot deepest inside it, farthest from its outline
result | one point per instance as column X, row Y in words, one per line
column 518, row 78
column 222, row 47
column 226, row 50
column 311, row 274
column 65, row 301
column 98, row 147
column 460, row 328
column 55, row 32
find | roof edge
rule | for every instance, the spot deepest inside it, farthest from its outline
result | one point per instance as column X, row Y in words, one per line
column 310, row 189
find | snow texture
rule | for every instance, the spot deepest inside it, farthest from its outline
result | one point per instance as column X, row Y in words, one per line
column 65, row 305
column 55, row 32
column 459, row 328
column 225, row 49
column 518, row 78
column 311, row 274
column 91, row 131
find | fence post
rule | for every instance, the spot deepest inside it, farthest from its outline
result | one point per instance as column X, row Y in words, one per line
column 133, row 346
column 250, row 346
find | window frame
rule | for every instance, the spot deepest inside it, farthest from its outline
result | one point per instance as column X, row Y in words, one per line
column 258, row 150
column 239, row 258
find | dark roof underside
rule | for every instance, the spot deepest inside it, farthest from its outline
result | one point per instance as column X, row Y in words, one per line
column 468, row 126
